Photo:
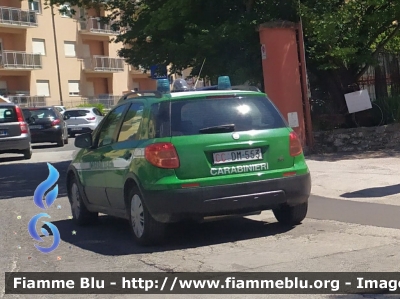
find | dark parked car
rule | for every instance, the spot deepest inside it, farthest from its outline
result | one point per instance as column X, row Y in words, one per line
column 46, row 125
column 14, row 131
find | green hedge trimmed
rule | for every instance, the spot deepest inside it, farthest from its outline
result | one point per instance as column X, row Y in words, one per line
column 98, row 106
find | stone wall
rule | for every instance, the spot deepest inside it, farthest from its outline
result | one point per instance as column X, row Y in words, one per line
column 358, row 139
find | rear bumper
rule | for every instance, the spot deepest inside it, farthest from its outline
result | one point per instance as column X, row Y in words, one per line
column 79, row 129
column 46, row 135
column 181, row 204
column 14, row 144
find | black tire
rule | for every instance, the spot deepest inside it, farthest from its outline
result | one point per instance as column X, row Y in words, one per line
column 153, row 231
column 80, row 215
column 27, row 153
column 291, row 215
column 60, row 141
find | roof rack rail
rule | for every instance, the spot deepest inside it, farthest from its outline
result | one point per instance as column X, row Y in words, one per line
column 237, row 87
column 213, row 87
column 140, row 94
column 246, row 87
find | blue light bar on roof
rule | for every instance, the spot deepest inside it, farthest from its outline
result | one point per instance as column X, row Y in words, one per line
column 163, row 86
column 224, row 82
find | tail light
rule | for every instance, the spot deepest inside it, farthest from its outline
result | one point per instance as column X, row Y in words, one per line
column 295, row 145
column 22, row 124
column 91, row 118
column 55, row 122
column 162, row 155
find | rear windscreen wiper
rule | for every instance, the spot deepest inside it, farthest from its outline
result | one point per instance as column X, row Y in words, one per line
column 218, row 129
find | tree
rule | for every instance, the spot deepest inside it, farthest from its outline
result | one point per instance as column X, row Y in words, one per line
column 343, row 38
column 183, row 33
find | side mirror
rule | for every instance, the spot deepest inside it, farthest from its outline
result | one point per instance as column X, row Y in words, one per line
column 66, row 117
column 84, row 141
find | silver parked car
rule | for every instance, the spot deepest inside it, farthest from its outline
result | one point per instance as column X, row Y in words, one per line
column 60, row 109
column 82, row 120
column 15, row 136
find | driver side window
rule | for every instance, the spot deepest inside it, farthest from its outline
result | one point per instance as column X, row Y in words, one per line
column 107, row 131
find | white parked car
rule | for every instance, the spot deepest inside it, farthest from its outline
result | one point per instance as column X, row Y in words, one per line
column 82, row 120
column 60, row 109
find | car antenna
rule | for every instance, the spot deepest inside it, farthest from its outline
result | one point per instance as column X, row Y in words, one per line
column 197, row 80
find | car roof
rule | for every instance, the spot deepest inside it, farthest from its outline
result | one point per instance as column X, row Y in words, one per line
column 7, row 104
column 186, row 94
column 82, row 108
column 157, row 96
column 44, row 107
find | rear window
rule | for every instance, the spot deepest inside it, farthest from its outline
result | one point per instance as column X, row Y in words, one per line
column 97, row 112
column 160, row 121
column 7, row 115
column 188, row 117
column 39, row 113
column 77, row 113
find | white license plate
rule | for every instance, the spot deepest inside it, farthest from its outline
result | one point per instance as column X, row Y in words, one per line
column 237, row 156
column 3, row 133
column 76, row 129
column 36, row 127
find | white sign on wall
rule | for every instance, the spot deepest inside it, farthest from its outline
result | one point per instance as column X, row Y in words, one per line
column 293, row 119
column 263, row 52
column 358, row 101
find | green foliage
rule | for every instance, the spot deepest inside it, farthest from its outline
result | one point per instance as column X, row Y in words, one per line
column 98, row 106
column 346, row 33
column 341, row 36
column 183, row 33
column 390, row 108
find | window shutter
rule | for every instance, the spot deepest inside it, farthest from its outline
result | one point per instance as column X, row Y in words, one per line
column 38, row 46
column 42, row 88
column 69, row 49
column 73, row 87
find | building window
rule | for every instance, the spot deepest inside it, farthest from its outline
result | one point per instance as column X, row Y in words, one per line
column 38, row 46
column 73, row 87
column 65, row 10
column 34, row 5
column 43, row 88
column 69, row 49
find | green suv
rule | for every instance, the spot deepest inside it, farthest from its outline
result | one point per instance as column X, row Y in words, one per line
column 160, row 157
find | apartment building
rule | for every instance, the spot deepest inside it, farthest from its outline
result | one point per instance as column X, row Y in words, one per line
column 59, row 59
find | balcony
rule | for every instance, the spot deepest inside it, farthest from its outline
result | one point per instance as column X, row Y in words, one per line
column 16, row 60
column 137, row 71
column 17, row 18
column 107, row 64
column 28, row 101
column 94, row 26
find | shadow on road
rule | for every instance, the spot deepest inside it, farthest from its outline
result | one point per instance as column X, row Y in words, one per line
column 373, row 192
column 112, row 236
column 20, row 180
column 11, row 159
column 372, row 295
column 351, row 156
column 44, row 146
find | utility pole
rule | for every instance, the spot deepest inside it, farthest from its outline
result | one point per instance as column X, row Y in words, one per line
column 57, row 60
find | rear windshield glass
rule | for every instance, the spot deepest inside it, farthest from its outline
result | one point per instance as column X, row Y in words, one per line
column 77, row 113
column 246, row 113
column 7, row 115
column 39, row 113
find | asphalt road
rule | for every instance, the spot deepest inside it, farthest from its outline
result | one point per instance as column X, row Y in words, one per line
column 337, row 235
